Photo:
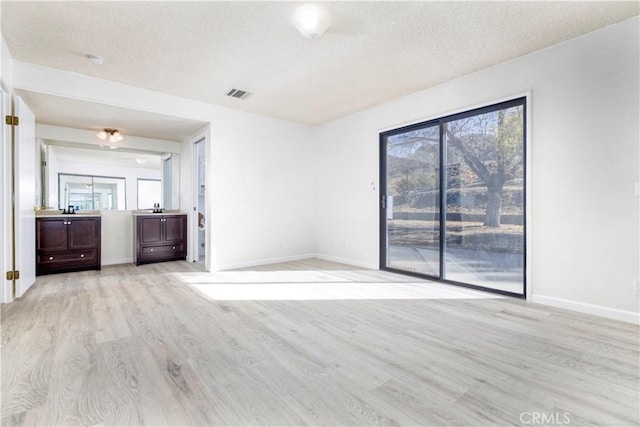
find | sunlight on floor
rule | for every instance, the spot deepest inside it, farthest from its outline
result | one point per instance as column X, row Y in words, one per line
column 315, row 285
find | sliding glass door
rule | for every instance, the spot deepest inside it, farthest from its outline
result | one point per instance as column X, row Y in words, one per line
column 412, row 200
column 453, row 198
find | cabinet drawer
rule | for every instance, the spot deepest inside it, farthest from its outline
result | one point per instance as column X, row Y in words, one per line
column 82, row 257
column 163, row 250
column 58, row 262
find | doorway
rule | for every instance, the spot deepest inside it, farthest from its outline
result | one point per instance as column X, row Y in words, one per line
column 199, row 210
column 453, row 199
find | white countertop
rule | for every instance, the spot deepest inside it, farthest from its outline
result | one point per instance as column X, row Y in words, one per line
column 59, row 215
column 149, row 212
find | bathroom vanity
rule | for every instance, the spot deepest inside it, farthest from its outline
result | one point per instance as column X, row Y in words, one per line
column 159, row 237
column 67, row 243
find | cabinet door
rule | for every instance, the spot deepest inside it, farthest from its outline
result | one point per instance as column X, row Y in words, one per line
column 83, row 233
column 150, row 230
column 51, row 234
column 174, row 228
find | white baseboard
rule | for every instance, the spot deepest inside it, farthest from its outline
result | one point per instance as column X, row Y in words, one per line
column 264, row 261
column 598, row 310
column 347, row 261
column 117, row 261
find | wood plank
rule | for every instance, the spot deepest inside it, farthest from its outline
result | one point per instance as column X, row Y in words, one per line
column 306, row 342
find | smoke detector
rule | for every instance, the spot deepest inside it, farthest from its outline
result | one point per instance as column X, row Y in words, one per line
column 97, row 60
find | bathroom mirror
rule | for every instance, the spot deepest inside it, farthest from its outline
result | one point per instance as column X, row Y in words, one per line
column 94, row 178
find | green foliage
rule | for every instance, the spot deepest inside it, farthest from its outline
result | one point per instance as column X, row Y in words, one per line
column 404, row 186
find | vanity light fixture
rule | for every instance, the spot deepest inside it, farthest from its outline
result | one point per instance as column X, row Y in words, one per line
column 111, row 135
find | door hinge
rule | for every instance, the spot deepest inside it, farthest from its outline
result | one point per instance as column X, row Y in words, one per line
column 12, row 120
column 13, row 275
column 383, row 202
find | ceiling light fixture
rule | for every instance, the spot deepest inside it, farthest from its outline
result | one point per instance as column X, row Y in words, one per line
column 97, row 60
column 112, row 135
column 311, row 20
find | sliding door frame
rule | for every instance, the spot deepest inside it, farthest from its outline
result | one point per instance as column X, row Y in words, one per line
column 440, row 122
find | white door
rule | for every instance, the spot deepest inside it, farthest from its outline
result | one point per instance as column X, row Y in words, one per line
column 6, row 247
column 25, row 173
column 198, row 241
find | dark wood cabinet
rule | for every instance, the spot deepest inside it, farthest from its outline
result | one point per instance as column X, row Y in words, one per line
column 159, row 237
column 70, row 243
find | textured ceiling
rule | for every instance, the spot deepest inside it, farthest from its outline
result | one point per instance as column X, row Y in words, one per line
column 373, row 52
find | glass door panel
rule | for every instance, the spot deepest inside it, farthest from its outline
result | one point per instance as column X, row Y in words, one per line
column 484, row 225
column 412, row 201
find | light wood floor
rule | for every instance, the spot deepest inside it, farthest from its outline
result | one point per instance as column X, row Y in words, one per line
column 304, row 343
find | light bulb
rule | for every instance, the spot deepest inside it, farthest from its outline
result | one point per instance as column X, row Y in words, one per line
column 311, row 20
column 102, row 135
column 115, row 136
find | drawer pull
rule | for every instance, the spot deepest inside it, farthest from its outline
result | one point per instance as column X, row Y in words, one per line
column 151, row 250
column 50, row 258
column 81, row 255
column 174, row 248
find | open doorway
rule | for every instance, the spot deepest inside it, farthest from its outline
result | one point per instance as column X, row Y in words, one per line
column 199, row 229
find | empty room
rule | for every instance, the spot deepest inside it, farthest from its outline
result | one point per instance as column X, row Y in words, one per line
column 360, row 213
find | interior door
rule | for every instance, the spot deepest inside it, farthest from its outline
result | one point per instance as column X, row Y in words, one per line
column 198, row 233
column 25, row 194
column 6, row 247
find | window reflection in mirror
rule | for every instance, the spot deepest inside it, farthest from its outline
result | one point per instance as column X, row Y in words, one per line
column 149, row 193
column 85, row 192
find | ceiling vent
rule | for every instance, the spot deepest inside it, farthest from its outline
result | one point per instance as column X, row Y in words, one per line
column 237, row 93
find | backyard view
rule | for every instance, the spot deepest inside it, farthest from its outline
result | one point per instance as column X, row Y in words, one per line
column 484, row 199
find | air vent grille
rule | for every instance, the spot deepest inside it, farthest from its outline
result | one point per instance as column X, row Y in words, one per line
column 237, row 93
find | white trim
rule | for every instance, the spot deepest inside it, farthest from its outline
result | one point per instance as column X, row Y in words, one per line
column 117, row 261
column 201, row 136
column 347, row 261
column 264, row 261
column 267, row 261
column 597, row 310
column 528, row 218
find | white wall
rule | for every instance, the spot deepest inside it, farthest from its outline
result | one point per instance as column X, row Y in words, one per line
column 260, row 176
column 584, row 249
column 263, row 191
column 117, row 237
column 6, row 65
